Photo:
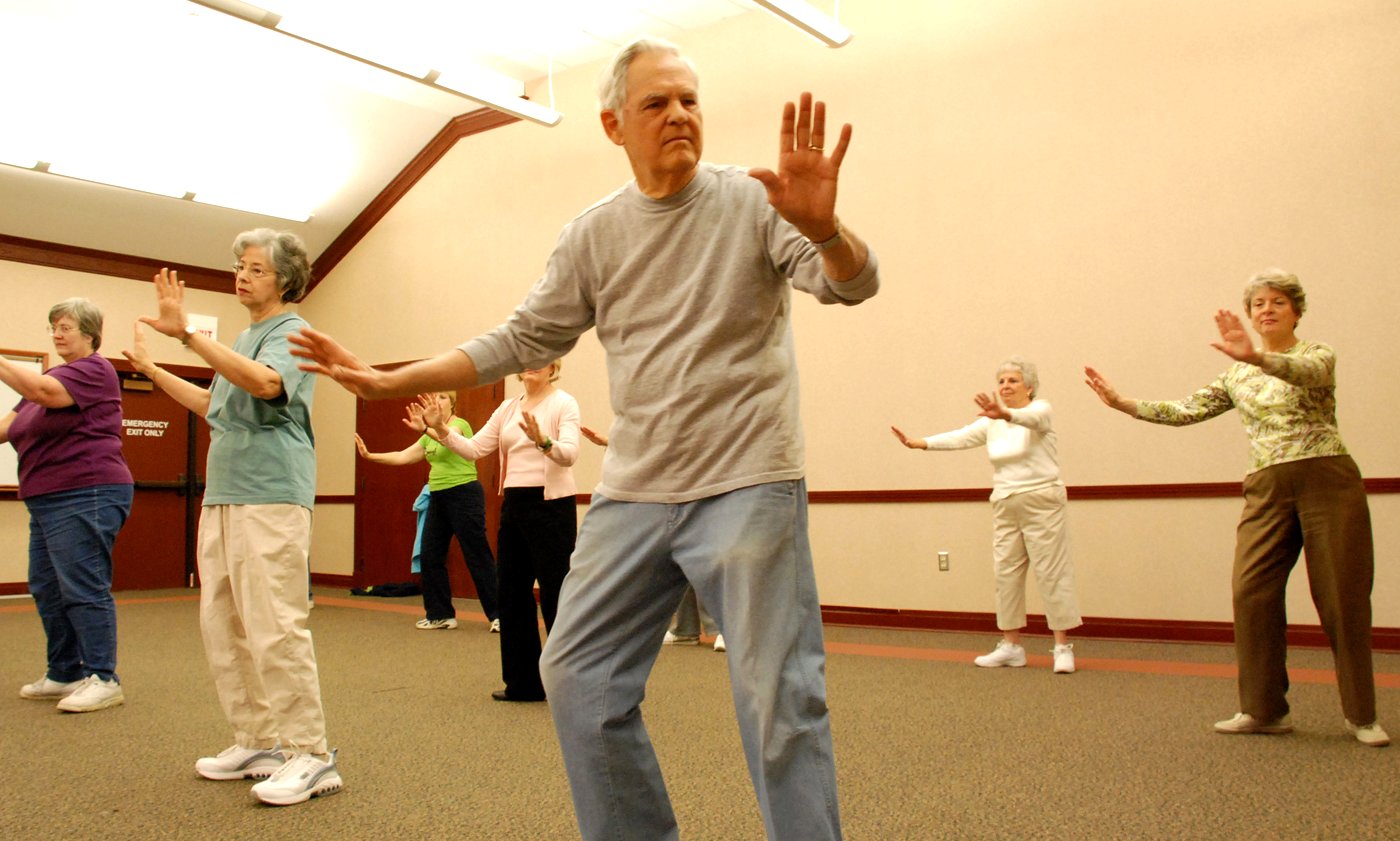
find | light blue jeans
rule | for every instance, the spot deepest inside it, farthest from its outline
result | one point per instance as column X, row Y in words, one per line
column 747, row 554
column 71, row 534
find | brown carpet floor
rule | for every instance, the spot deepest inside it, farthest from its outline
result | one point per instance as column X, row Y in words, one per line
column 926, row 748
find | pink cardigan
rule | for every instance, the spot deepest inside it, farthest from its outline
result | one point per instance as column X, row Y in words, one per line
column 557, row 416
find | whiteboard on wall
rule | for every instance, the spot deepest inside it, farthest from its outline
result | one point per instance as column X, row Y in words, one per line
column 9, row 459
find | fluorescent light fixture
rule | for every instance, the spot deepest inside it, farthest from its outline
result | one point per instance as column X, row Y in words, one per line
column 259, row 206
column 116, row 175
column 23, row 162
column 801, row 15
column 514, row 106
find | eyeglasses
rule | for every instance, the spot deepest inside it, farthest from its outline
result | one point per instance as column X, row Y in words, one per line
column 255, row 272
column 63, row 329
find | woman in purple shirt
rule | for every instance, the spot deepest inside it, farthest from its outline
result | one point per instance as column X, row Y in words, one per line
column 72, row 477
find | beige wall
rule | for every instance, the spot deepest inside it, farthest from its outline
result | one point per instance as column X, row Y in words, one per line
column 1076, row 181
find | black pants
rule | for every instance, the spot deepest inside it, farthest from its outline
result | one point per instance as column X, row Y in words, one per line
column 535, row 542
column 459, row 511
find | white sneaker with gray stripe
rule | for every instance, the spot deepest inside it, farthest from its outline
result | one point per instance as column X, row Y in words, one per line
column 300, row 779
column 237, row 763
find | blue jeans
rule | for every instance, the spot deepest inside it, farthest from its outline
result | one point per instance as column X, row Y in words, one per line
column 746, row 553
column 70, row 577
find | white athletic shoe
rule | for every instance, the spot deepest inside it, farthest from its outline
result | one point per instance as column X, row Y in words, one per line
column 44, row 689
column 1005, row 654
column 93, row 694
column 236, row 763
column 436, row 624
column 1372, row 735
column 298, row 780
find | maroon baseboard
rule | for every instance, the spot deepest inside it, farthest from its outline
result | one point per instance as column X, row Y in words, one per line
column 16, row 588
column 326, row 579
column 1097, row 627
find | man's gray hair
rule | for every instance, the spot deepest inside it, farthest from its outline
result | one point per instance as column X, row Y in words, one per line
column 1027, row 369
column 612, row 82
column 288, row 255
column 84, row 313
column 1283, row 281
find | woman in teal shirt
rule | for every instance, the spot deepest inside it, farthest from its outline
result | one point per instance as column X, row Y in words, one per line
column 456, row 506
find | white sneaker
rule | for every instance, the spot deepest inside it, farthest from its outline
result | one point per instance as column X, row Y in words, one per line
column 44, row 689
column 93, row 694
column 719, row 642
column 495, row 626
column 298, row 780
column 1064, row 658
column 1244, row 723
column 1372, row 735
column 673, row 639
column 1005, row 654
column 236, row 763
column 436, row 624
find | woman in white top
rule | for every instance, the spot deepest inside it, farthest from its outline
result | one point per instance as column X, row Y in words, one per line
column 536, row 435
column 1028, row 507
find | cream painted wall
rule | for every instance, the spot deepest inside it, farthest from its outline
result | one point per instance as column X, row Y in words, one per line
column 1075, row 181
column 1071, row 180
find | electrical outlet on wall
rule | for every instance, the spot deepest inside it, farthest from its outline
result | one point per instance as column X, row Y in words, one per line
column 942, row 561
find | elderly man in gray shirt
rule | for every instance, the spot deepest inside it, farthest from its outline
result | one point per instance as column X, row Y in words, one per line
column 686, row 272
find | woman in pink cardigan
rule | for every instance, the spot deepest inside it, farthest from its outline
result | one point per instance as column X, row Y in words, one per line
column 536, row 436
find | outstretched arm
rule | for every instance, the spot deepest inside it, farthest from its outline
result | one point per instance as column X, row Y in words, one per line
column 448, row 371
column 990, row 407
column 248, row 374
column 803, row 190
column 42, row 389
column 1234, row 339
column 187, row 394
column 412, row 454
column 911, row 443
column 1108, row 394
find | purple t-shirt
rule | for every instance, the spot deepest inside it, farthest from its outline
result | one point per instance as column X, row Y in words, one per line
column 78, row 446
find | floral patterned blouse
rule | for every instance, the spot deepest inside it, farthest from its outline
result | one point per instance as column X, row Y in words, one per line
column 1288, row 405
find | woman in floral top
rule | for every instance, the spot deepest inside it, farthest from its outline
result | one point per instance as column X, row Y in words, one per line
column 1302, row 492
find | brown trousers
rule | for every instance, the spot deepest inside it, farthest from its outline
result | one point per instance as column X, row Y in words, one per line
column 1318, row 506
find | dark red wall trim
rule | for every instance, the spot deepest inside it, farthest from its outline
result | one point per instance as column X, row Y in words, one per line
column 335, row 499
column 58, row 256
column 1099, row 627
column 1194, row 490
column 456, row 129
column 326, row 579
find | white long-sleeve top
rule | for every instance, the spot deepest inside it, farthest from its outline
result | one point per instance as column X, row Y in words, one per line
column 1022, row 450
column 522, row 464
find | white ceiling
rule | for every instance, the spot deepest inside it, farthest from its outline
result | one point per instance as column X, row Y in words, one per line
column 215, row 105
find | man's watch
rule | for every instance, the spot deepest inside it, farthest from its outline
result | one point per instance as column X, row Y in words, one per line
column 188, row 334
column 831, row 241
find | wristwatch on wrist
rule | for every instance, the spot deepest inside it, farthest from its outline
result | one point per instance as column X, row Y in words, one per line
column 188, row 334
column 831, row 241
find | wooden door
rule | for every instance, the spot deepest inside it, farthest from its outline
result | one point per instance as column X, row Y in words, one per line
column 165, row 446
column 385, row 524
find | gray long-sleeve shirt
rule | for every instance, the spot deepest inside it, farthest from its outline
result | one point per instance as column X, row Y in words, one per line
column 691, row 296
